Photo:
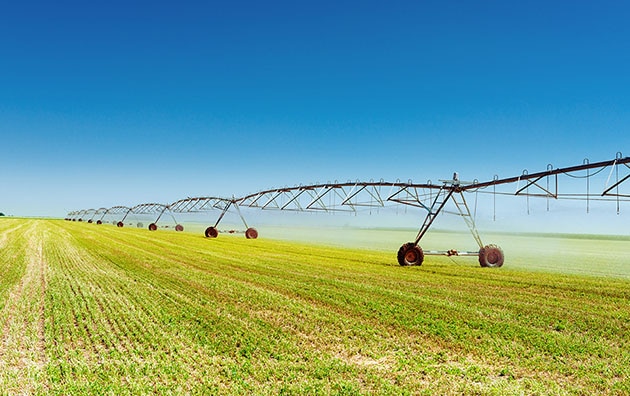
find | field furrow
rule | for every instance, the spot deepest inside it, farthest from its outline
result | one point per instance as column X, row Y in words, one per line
column 22, row 354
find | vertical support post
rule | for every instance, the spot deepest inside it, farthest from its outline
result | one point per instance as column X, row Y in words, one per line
column 494, row 198
column 549, row 168
column 618, row 156
column 525, row 173
column 588, row 181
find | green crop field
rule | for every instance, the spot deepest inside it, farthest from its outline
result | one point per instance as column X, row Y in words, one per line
column 88, row 309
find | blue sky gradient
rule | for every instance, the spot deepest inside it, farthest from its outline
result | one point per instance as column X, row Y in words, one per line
column 119, row 103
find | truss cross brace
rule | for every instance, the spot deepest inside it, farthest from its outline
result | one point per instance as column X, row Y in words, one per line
column 547, row 192
column 226, row 208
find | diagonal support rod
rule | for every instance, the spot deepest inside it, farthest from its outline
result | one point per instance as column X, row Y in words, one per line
column 434, row 210
column 223, row 213
column 464, row 211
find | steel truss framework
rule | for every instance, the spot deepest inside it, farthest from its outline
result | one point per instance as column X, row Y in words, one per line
column 431, row 197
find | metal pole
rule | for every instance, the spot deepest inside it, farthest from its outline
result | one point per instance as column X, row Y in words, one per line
column 223, row 213
column 448, row 191
column 240, row 214
column 464, row 211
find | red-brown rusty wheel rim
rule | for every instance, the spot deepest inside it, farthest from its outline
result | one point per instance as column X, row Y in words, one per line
column 211, row 232
column 491, row 256
column 152, row 227
column 251, row 233
column 120, row 224
column 99, row 222
column 179, row 228
column 410, row 254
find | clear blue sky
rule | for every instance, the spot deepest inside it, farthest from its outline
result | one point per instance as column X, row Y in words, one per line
column 123, row 102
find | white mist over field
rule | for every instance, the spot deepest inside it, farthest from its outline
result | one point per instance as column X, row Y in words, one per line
column 561, row 240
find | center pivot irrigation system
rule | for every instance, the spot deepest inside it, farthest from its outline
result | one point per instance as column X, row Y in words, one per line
column 356, row 196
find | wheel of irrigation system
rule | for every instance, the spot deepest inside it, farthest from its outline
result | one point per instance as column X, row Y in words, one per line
column 491, row 256
column 120, row 224
column 90, row 221
column 99, row 222
column 152, row 227
column 410, row 254
column 211, row 232
column 179, row 228
column 251, row 233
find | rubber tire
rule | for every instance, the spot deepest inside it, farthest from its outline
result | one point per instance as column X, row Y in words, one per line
column 90, row 221
column 99, row 222
column 410, row 254
column 491, row 256
column 251, row 233
column 179, row 228
column 152, row 227
column 120, row 224
column 211, row 232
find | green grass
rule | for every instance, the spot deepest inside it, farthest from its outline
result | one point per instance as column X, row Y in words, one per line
column 89, row 309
